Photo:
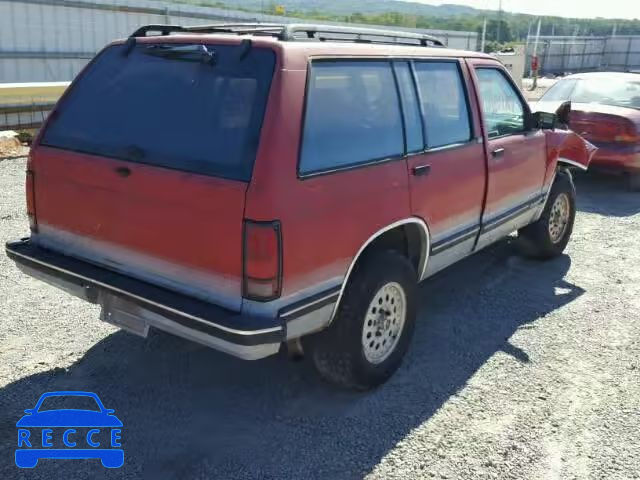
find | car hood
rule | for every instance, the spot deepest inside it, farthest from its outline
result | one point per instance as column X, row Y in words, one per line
column 69, row 418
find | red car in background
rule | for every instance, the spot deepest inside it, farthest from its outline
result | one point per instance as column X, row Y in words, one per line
column 605, row 110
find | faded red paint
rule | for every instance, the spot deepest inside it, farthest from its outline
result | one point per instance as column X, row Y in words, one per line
column 191, row 220
column 196, row 221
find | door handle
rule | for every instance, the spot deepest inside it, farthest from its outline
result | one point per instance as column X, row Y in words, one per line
column 421, row 170
column 498, row 152
column 123, row 171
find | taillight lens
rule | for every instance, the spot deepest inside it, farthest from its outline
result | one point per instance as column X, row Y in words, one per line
column 627, row 138
column 31, row 200
column 262, row 268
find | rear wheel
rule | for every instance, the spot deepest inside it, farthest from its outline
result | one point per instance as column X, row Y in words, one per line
column 370, row 335
column 549, row 236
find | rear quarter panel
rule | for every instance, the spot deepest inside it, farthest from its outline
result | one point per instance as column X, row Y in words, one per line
column 326, row 218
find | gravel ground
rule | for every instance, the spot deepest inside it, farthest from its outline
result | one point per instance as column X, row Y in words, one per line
column 518, row 369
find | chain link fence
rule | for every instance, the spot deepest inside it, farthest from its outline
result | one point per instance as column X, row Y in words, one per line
column 51, row 40
column 561, row 55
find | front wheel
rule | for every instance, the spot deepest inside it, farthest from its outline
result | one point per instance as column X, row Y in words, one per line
column 370, row 335
column 548, row 237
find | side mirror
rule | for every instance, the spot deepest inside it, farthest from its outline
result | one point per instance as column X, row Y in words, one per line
column 29, row 411
column 563, row 112
column 545, row 120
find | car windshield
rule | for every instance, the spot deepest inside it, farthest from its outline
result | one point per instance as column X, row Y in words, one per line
column 193, row 108
column 66, row 402
column 601, row 90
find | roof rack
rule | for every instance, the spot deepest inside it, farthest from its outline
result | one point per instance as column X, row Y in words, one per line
column 301, row 32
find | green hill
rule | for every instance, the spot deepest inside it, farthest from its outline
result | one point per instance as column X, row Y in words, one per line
column 513, row 26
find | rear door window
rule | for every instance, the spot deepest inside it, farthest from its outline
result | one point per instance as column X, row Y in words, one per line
column 444, row 103
column 352, row 116
column 175, row 106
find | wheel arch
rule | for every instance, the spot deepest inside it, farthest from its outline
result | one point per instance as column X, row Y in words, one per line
column 418, row 246
column 566, row 162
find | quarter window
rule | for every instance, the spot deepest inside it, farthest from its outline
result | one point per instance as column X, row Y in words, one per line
column 352, row 115
column 501, row 104
column 444, row 103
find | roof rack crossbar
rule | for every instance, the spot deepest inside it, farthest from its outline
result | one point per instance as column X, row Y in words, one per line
column 394, row 37
column 236, row 28
column 163, row 29
column 293, row 32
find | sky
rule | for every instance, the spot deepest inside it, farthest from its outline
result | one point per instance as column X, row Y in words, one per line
column 626, row 9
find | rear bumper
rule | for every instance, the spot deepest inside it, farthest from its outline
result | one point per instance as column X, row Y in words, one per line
column 244, row 336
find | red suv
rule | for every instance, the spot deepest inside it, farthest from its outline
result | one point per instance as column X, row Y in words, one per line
column 249, row 186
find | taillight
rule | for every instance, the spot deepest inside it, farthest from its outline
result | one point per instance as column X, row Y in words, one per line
column 627, row 138
column 262, row 266
column 31, row 200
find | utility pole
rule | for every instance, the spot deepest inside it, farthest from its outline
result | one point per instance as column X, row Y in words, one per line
column 534, row 58
column 498, row 33
column 484, row 34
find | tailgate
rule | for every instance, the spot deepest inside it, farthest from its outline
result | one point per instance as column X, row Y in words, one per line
column 144, row 165
column 181, row 231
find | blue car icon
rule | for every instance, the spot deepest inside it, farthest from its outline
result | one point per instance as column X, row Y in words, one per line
column 42, row 426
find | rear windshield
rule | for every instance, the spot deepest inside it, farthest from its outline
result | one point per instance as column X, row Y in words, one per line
column 608, row 91
column 612, row 91
column 188, row 107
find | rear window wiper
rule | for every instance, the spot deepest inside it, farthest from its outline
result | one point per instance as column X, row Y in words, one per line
column 190, row 53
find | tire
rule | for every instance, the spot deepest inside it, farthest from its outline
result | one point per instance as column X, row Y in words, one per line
column 633, row 181
column 545, row 238
column 339, row 353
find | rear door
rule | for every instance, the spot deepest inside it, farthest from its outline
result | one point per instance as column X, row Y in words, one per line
column 446, row 160
column 144, row 165
column 516, row 154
